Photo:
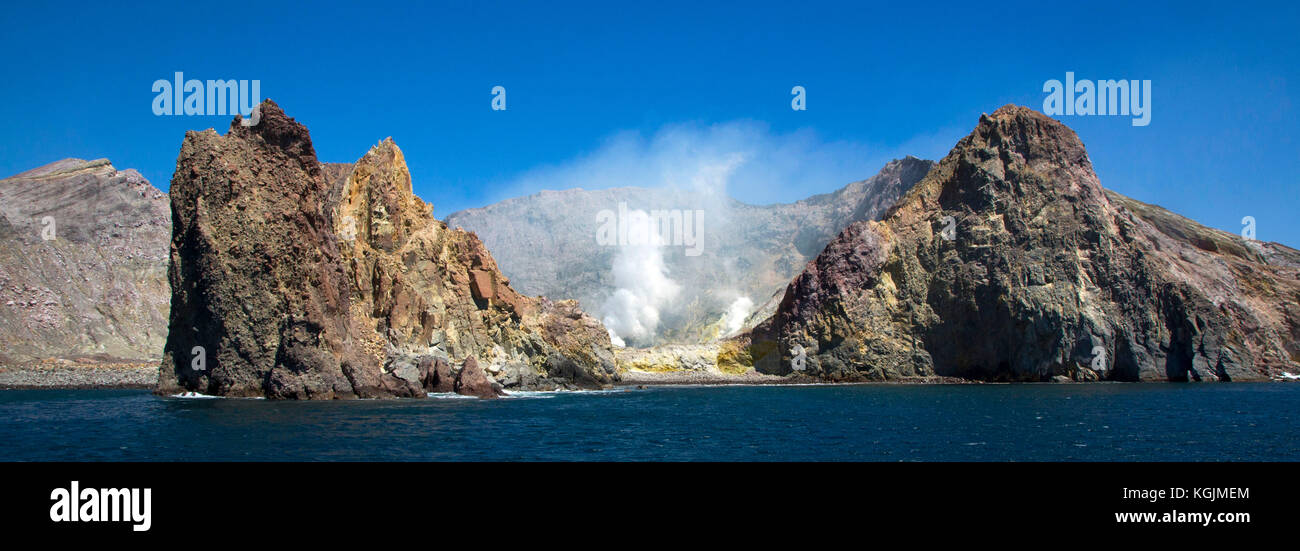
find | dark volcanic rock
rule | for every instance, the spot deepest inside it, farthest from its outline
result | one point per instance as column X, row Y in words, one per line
column 1046, row 276
column 257, row 282
column 435, row 374
column 303, row 280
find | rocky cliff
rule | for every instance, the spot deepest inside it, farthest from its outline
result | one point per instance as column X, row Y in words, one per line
column 293, row 279
column 82, row 264
column 1009, row 261
column 546, row 243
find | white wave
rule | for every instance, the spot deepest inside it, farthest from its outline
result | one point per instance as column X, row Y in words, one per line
column 529, row 394
column 557, row 392
column 196, row 396
column 449, row 396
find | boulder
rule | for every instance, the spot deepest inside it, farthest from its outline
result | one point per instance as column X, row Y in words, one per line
column 473, row 381
column 435, row 375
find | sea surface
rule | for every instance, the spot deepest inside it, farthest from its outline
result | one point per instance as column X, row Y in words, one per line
column 1004, row 422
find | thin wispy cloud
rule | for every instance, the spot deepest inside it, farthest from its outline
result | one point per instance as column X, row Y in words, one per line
column 765, row 166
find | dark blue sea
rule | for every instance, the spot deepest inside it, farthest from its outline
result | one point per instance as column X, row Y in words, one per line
column 1025, row 422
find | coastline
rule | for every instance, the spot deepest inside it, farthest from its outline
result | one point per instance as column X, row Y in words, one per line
column 696, row 377
column 715, row 378
column 66, row 375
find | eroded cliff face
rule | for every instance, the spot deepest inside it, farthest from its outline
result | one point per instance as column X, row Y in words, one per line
column 301, row 280
column 83, row 269
column 1042, row 275
column 422, row 288
column 259, row 295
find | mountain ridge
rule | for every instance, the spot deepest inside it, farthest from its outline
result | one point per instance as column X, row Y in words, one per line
column 81, row 263
column 546, row 243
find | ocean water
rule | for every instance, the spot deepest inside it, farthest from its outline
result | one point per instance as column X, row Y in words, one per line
column 1023, row 422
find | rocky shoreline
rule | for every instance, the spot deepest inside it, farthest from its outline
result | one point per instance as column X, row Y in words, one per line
column 638, row 378
column 713, row 378
column 66, row 375
column 71, row 375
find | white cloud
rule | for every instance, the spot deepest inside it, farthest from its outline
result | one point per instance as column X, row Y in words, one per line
column 763, row 166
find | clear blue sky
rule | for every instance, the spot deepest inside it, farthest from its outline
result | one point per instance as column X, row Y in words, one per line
column 882, row 80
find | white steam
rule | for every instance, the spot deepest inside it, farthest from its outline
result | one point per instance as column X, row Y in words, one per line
column 734, row 318
column 701, row 166
column 643, row 290
column 642, row 286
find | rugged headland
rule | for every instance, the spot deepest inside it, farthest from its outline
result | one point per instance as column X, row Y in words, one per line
column 1010, row 262
column 293, row 279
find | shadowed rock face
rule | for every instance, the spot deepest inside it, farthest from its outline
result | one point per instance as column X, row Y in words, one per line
column 258, row 286
column 303, row 280
column 98, row 289
column 1048, row 276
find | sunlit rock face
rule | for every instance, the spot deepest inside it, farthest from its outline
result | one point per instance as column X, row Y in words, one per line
column 1009, row 261
column 295, row 279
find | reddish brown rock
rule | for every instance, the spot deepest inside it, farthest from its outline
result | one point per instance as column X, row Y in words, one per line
column 472, row 381
column 257, row 287
column 303, row 280
column 435, row 374
column 422, row 288
column 480, row 283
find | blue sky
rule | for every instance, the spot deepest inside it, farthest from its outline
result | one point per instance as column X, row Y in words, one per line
column 595, row 81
